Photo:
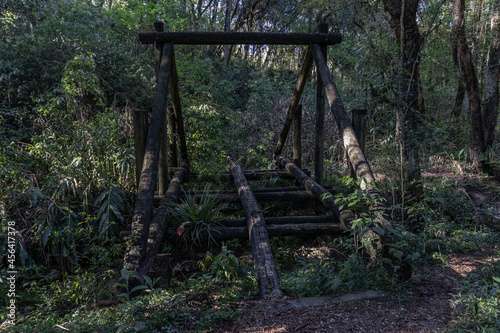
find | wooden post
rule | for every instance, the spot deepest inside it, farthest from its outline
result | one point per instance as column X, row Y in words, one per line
column 319, row 141
column 299, row 88
column 297, row 137
column 359, row 123
column 159, row 224
column 265, row 268
column 140, row 121
column 172, row 134
column 143, row 211
column 163, row 166
column 176, row 100
column 159, row 27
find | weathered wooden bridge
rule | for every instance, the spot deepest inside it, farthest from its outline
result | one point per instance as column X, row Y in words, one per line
column 153, row 151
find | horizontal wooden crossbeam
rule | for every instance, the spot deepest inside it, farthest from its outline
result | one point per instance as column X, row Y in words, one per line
column 226, row 38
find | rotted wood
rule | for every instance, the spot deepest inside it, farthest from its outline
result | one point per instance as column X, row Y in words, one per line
column 227, row 38
column 159, row 27
column 143, row 211
column 265, row 268
column 319, row 139
column 376, row 241
column 176, row 100
column 319, row 192
column 299, row 88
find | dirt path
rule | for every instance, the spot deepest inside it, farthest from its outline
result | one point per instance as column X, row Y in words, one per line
column 425, row 308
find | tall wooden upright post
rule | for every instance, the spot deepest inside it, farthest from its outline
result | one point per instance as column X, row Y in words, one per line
column 140, row 120
column 297, row 137
column 172, row 134
column 163, row 163
column 320, row 118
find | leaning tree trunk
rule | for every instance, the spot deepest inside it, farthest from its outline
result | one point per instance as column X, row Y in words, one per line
column 461, row 49
column 490, row 99
column 404, row 15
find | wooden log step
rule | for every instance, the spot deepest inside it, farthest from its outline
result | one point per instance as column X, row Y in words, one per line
column 294, row 229
column 280, row 220
column 254, row 174
column 266, row 196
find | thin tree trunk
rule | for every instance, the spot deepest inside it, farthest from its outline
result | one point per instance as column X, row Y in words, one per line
column 476, row 138
column 490, row 100
column 404, row 16
column 459, row 100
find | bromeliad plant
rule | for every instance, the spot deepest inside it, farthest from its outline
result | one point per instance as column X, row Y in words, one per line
column 196, row 216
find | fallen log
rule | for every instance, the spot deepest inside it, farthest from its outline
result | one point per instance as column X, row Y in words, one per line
column 265, row 268
column 314, row 219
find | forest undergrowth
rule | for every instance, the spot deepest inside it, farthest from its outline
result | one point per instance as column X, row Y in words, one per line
column 71, row 76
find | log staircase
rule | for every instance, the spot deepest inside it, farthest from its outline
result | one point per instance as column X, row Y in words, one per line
column 154, row 148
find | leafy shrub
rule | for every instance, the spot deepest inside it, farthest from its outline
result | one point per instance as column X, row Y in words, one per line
column 478, row 299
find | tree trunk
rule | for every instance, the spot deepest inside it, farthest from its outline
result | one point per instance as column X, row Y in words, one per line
column 459, row 100
column 490, row 100
column 404, row 15
column 459, row 42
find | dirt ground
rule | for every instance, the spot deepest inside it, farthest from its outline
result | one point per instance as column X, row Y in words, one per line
column 426, row 308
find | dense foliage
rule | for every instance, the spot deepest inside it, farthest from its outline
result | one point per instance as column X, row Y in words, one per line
column 72, row 73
